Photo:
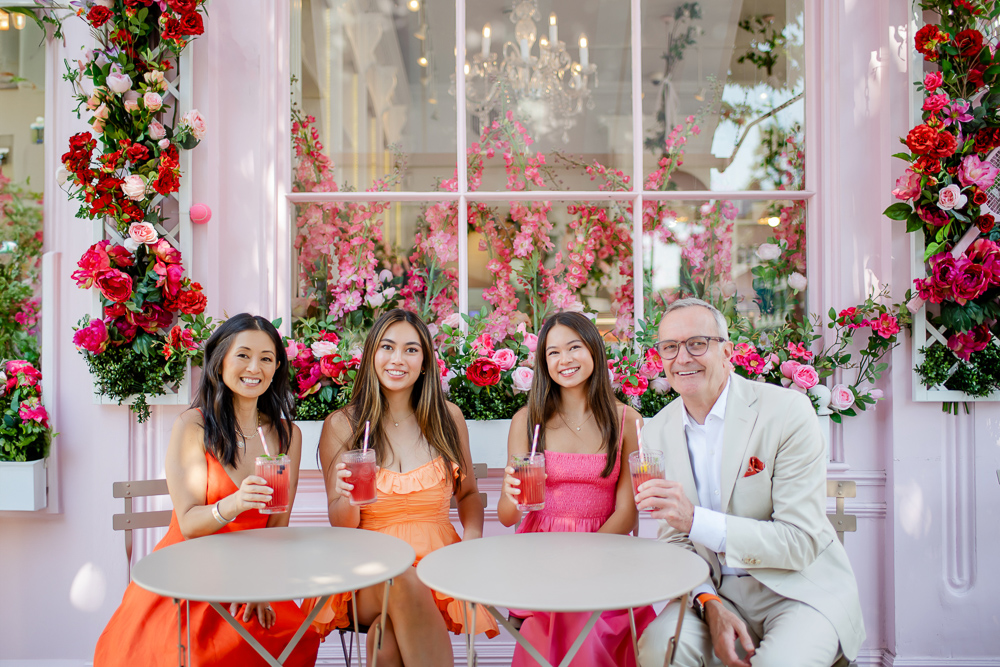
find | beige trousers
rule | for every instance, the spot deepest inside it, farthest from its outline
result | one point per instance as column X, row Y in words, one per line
column 786, row 633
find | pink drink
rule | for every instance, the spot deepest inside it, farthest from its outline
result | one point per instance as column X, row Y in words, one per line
column 276, row 470
column 361, row 463
column 644, row 468
column 530, row 471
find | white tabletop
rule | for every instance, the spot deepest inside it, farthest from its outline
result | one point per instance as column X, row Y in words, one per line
column 271, row 564
column 563, row 571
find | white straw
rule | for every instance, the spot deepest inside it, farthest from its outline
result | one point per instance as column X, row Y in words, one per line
column 364, row 447
column 260, row 432
column 638, row 432
column 534, row 442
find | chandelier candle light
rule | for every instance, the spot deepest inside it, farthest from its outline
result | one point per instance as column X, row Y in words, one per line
column 549, row 89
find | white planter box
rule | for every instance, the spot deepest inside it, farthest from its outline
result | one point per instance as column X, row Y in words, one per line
column 487, row 442
column 22, row 486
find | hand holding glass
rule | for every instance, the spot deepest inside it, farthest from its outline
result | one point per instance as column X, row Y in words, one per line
column 644, row 466
column 529, row 470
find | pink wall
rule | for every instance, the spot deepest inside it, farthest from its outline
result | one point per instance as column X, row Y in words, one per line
column 927, row 485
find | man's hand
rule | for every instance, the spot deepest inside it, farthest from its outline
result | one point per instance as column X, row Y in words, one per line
column 725, row 628
column 668, row 502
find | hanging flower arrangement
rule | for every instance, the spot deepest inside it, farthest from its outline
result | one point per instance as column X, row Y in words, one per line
column 944, row 194
column 121, row 171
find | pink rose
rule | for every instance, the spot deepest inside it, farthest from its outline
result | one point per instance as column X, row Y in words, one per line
column 934, row 103
column 951, row 197
column 321, row 348
column 531, row 342
column 32, row 410
column 292, row 350
column 21, row 374
column 118, row 82
column 194, row 122
column 797, row 281
column 769, row 362
column 907, row 185
column 637, row 387
column 977, row 172
column 650, row 371
column 841, row 398
column 789, row 367
column 152, row 101
column 134, row 187
column 769, row 251
column 933, row 81
column 143, row 232
column 102, row 112
column 505, row 358
column 522, row 377
column 93, row 338
column 156, row 130
column 454, row 320
column 805, row 376
column 164, row 144
column 155, row 79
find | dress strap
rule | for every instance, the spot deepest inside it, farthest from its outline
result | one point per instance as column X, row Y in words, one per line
column 621, row 432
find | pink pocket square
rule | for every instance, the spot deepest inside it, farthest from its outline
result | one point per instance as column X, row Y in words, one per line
column 756, row 466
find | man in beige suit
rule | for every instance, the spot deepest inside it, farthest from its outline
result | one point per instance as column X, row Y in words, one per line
column 745, row 489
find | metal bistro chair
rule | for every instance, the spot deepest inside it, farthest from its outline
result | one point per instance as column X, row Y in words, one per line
column 129, row 520
column 479, row 471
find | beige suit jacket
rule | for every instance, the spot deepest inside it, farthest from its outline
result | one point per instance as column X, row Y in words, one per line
column 776, row 527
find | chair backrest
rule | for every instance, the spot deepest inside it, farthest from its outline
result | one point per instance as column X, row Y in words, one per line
column 129, row 520
column 842, row 523
column 479, row 471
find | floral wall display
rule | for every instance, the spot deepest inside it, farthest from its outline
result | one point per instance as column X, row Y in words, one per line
column 25, row 433
column 947, row 195
column 123, row 171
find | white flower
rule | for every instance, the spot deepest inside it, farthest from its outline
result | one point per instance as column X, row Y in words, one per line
column 797, row 281
column 769, row 251
column 3, row 383
column 385, row 276
column 321, row 348
column 660, row 385
column 62, row 175
column 131, row 245
column 374, row 300
column 389, row 292
column 522, row 378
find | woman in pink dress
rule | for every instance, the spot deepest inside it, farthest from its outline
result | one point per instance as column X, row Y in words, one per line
column 585, row 434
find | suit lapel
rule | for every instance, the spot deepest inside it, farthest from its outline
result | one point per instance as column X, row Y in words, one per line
column 673, row 444
column 740, row 419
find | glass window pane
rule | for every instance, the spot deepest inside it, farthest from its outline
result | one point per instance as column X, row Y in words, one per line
column 723, row 94
column 528, row 260
column 548, row 77
column 746, row 257
column 375, row 78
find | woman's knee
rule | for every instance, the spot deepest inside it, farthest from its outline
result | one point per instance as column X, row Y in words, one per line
column 408, row 591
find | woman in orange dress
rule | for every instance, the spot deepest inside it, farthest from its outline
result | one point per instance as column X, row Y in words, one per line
column 210, row 466
column 422, row 449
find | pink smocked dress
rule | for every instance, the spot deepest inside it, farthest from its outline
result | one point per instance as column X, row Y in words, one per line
column 578, row 499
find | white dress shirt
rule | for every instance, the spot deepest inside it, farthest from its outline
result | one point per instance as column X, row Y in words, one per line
column 704, row 443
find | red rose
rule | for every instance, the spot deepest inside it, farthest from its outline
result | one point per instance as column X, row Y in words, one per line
column 191, row 24
column 98, row 15
column 945, row 145
column 166, row 182
column 138, row 153
column 192, row 302
column 183, row 6
column 93, row 263
column 975, row 76
column 172, row 29
column 969, row 43
column 127, row 331
column 927, row 40
column 984, row 141
column 114, row 285
column 484, row 372
column 114, row 311
column 921, row 140
column 120, row 256
column 332, row 366
column 926, row 165
column 985, row 222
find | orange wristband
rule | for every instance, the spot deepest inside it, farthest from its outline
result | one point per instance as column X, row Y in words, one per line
column 701, row 600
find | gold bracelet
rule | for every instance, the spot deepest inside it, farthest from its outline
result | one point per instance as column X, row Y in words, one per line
column 218, row 515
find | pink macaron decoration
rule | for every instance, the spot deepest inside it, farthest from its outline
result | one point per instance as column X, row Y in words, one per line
column 200, row 214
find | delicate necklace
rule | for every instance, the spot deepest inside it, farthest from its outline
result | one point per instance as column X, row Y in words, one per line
column 239, row 431
column 396, row 422
column 581, row 423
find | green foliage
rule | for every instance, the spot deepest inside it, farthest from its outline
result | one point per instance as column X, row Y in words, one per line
column 25, row 434
column 485, row 402
column 123, row 372
column 20, row 252
column 978, row 377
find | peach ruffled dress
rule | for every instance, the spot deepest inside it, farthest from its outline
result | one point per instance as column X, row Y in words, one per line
column 412, row 506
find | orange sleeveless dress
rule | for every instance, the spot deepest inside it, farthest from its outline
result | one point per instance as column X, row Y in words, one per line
column 412, row 506
column 143, row 631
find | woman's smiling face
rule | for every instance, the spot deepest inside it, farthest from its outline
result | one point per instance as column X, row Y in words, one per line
column 567, row 359
column 249, row 364
column 399, row 358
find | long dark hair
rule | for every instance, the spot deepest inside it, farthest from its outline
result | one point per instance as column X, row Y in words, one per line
column 368, row 402
column 545, row 396
column 215, row 399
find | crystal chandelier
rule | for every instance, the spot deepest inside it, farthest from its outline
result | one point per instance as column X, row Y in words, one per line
column 548, row 90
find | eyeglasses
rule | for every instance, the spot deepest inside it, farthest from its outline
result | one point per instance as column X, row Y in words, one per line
column 696, row 346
